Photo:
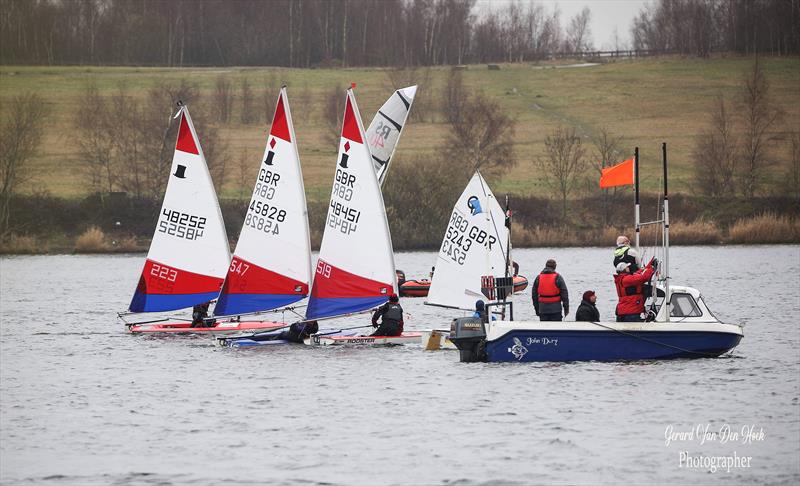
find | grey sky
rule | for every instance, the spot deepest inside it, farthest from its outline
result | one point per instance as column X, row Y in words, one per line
column 606, row 15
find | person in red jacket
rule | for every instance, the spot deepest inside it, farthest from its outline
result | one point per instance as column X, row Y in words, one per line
column 630, row 290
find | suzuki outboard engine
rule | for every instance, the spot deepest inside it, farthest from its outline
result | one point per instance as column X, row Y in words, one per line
column 469, row 336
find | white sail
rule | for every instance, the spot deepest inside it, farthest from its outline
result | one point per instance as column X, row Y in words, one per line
column 189, row 254
column 271, row 265
column 355, row 271
column 387, row 126
column 474, row 246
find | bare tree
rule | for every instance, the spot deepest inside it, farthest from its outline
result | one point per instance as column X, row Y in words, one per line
column 95, row 146
column 606, row 153
column 715, row 155
column 248, row 114
column 759, row 117
column 410, row 76
column 126, row 143
column 563, row 162
column 332, row 112
column 223, row 99
column 454, row 96
column 480, row 134
column 271, row 87
column 793, row 176
column 20, row 137
column 578, row 33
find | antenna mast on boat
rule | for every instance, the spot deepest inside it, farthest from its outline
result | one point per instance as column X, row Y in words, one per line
column 666, row 233
column 636, row 196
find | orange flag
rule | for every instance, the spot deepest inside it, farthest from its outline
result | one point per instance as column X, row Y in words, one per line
column 617, row 175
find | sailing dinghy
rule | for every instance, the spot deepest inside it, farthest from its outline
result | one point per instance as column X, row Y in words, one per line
column 189, row 255
column 355, row 270
column 271, row 266
column 682, row 326
column 475, row 248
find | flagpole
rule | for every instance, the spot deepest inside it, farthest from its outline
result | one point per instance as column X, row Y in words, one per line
column 636, row 196
column 666, row 234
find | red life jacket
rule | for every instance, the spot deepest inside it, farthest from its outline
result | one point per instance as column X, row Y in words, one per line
column 549, row 292
column 630, row 290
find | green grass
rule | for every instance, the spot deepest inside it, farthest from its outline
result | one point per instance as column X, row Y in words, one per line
column 646, row 101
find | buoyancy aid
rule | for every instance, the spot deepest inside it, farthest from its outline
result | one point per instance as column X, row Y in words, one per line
column 548, row 291
column 393, row 312
column 630, row 290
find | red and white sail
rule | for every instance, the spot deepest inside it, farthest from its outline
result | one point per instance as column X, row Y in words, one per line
column 474, row 246
column 384, row 132
column 271, row 264
column 355, row 270
column 189, row 254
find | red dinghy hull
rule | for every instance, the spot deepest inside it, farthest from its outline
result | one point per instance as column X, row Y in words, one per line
column 225, row 327
column 420, row 288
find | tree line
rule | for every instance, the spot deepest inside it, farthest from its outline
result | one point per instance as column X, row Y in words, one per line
column 309, row 33
column 700, row 27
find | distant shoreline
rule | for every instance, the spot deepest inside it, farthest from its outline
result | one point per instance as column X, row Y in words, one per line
column 765, row 229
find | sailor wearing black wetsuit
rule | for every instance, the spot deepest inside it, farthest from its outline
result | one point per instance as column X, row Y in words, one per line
column 297, row 333
column 392, row 318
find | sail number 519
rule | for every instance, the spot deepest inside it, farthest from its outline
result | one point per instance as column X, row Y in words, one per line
column 324, row 269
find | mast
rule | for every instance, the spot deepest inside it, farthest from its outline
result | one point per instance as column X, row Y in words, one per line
column 666, row 233
column 509, row 261
column 636, row 196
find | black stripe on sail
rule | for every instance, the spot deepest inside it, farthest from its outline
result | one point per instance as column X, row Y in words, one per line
column 405, row 101
column 396, row 125
column 382, row 162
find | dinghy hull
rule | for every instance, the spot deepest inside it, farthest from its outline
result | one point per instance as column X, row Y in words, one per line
column 335, row 340
column 219, row 328
column 267, row 339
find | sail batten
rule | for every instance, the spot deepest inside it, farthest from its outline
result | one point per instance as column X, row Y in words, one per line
column 271, row 265
column 355, row 271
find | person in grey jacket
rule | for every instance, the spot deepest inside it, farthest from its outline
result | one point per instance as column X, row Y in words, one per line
column 550, row 294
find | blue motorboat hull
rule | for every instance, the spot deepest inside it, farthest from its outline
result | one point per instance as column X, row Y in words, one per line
column 564, row 345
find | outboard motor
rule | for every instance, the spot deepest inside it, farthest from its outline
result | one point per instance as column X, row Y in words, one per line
column 469, row 336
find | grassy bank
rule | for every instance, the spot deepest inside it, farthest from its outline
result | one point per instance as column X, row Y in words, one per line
column 646, row 101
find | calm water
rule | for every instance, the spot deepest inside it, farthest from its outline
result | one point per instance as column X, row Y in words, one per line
column 82, row 402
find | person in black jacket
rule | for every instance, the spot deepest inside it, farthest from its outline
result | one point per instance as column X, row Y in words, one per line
column 296, row 333
column 587, row 311
column 391, row 315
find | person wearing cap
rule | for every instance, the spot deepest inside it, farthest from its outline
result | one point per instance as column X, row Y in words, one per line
column 550, row 294
column 630, row 290
column 624, row 253
column 587, row 311
column 391, row 316
column 480, row 311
